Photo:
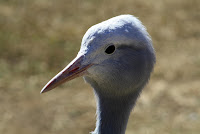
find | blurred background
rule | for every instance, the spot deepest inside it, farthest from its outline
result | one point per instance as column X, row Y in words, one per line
column 38, row 38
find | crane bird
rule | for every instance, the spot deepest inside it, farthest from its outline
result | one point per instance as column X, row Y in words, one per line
column 116, row 58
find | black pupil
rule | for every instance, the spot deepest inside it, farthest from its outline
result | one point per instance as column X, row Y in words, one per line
column 110, row 49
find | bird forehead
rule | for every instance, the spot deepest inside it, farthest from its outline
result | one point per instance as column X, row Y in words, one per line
column 123, row 29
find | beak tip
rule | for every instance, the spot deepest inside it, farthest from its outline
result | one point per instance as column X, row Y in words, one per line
column 48, row 86
column 42, row 91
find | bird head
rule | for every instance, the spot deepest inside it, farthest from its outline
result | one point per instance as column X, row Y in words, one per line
column 116, row 58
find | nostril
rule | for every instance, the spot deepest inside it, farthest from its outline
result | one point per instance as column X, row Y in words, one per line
column 74, row 69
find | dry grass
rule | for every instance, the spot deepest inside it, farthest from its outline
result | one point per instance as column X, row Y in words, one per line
column 38, row 38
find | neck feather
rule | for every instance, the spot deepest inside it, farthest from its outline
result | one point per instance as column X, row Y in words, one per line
column 113, row 113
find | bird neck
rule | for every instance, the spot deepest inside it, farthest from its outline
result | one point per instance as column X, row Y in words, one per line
column 113, row 114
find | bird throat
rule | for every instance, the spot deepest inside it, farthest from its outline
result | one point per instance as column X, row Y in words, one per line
column 113, row 113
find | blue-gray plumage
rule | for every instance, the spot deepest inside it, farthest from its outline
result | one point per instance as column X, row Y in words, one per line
column 116, row 58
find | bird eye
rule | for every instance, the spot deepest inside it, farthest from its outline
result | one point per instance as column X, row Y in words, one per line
column 110, row 49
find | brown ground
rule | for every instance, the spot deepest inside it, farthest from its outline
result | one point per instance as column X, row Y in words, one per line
column 38, row 38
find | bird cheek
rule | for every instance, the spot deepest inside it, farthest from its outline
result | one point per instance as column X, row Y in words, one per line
column 92, row 71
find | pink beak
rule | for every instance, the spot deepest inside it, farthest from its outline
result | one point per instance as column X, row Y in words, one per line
column 74, row 69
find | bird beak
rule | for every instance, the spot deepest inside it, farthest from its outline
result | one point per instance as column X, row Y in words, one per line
column 72, row 70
